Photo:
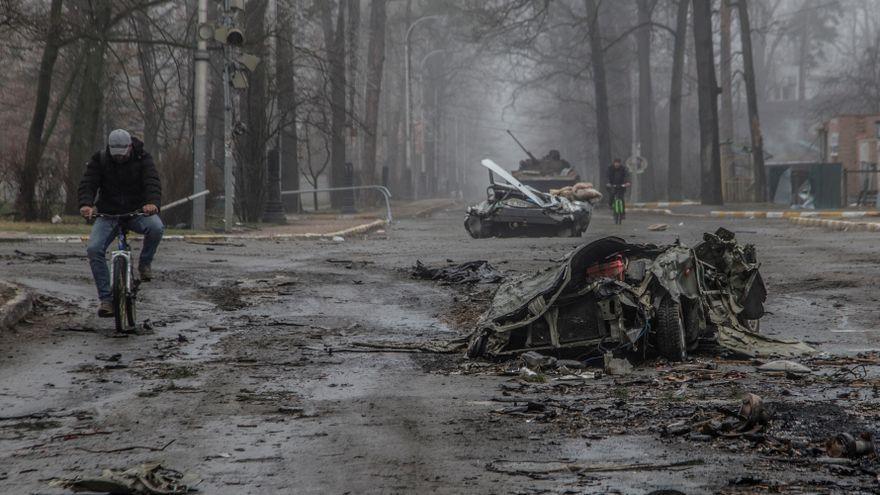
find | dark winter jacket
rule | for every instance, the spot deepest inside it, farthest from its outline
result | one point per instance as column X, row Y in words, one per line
column 116, row 188
column 618, row 176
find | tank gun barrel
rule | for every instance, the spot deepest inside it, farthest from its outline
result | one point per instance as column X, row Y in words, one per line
column 522, row 147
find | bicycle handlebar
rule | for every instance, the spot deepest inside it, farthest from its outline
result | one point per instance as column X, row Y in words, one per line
column 120, row 216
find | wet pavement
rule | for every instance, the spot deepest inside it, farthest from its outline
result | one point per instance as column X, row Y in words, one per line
column 261, row 373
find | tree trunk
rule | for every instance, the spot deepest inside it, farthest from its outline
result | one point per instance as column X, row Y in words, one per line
column 251, row 168
column 147, row 62
column 646, row 101
column 603, row 120
column 87, row 109
column 726, row 124
column 710, row 159
column 752, row 101
column 674, row 171
column 375, row 66
column 26, row 201
column 334, row 43
column 288, row 107
column 803, row 52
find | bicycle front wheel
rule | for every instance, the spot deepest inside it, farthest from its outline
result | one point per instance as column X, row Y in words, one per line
column 120, row 298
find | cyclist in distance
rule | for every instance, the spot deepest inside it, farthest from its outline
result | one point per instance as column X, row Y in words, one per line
column 618, row 179
column 120, row 179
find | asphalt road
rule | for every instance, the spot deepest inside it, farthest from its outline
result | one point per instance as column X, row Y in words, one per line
column 237, row 375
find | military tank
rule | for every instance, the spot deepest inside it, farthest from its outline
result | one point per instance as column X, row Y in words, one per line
column 544, row 174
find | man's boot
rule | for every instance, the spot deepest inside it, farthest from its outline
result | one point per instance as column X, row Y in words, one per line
column 146, row 273
column 105, row 309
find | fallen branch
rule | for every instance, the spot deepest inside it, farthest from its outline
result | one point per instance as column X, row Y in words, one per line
column 531, row 468
column 125, row 449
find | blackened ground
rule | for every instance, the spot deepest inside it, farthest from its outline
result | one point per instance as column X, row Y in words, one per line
column 255, row 369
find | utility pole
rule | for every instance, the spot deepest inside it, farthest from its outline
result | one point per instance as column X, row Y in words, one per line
column 201, row 119
column 229, row 37
column 414, row 180
column 228, row 157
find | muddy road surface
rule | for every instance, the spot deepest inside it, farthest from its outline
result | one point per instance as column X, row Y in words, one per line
column 293, row 367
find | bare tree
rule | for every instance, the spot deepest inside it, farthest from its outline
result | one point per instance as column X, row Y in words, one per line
column 674, row 171
column 250, row 180
column 646, row 98
column 603, row 120
column 334, row 43
column 375, row 65
column 90, row 96
column 752, row 100
column 285, row 64
column 725, row 64
column 710, row 181
column 26, row 200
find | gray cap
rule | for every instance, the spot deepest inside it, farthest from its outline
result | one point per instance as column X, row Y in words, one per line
column 119, row 142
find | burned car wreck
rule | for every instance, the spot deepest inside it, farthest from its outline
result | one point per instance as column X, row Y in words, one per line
column 514, row 209
column 611, row 295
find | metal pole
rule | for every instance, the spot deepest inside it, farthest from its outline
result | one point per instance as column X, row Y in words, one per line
column 201, row 121
column 407, row 129
column 408, row 93
column 228, row 158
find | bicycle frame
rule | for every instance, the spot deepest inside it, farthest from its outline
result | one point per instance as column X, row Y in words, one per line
column 617, row 201
column 123, row 251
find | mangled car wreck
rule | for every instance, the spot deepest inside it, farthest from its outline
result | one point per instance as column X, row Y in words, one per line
column 614, row 296
column 514, row 209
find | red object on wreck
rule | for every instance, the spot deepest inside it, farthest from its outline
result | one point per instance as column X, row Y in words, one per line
column 611, row 269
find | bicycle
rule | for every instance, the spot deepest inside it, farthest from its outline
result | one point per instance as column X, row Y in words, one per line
column 618, row 206
column 123, row 285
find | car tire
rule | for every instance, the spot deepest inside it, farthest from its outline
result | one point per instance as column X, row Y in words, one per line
column 477, row 229
column 477, row 347
column 693, row 322
column 669, row 337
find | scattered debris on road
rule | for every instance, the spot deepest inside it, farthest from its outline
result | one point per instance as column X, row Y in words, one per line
column 146, row 479
column 470, row 272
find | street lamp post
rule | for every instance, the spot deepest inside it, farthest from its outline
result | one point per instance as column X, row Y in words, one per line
column 423, row 177
column 408, row 91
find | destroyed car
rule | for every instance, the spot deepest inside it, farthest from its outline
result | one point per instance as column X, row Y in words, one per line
column 514, row 209
column 614, row 296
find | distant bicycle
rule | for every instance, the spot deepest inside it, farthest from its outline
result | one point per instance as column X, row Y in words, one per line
column 123, row 285
column 618, row 206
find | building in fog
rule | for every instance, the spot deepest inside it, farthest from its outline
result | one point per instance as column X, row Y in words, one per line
column 853, row 140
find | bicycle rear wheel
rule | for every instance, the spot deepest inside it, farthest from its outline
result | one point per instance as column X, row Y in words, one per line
column 120, row 303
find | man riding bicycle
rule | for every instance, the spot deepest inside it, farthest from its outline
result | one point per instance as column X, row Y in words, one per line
column 618, row 180
column 120, row 179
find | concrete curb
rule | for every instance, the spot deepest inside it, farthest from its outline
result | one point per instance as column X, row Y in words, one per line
column 843, row 225
column 356, row 230
column 665, row 211
column 794, row 214
column 665, row 204
column 762, row 214
column 433, row 209
column 17, row 308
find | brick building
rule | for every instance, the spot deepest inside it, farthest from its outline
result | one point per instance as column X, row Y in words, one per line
column 853, row 140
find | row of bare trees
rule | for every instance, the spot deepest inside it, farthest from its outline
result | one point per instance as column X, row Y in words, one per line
column 591, row 77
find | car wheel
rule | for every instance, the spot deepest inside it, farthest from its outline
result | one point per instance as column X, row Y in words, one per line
column 477, row 229
column 669, row 338
column 693, row 322
column 477, row 347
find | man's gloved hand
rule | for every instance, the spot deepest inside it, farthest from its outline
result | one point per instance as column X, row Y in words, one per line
column 150, row 209
column 87, row 212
